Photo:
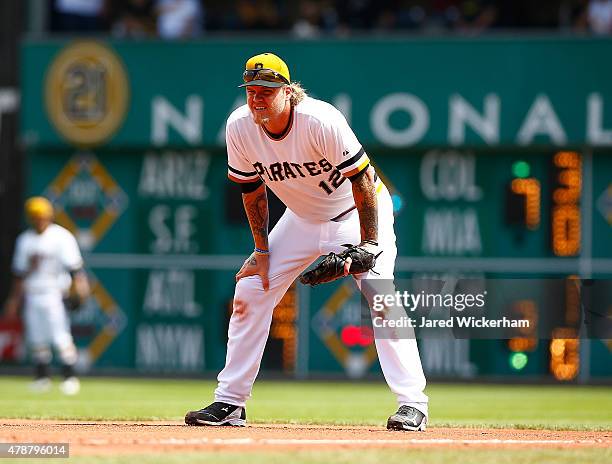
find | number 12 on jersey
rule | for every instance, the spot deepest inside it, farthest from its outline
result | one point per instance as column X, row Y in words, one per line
column 335, row 180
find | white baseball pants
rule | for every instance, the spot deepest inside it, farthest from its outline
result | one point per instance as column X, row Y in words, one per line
column 295, row 244
column 46, row 324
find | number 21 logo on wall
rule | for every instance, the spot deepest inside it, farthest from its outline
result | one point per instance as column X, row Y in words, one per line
column 86, row 93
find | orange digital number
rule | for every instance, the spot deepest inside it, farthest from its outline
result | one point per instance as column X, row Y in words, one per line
column 566, row 230
column 530, row 188
column 566, row 226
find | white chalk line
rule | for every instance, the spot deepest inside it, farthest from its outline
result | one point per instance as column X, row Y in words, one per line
column 308, row 441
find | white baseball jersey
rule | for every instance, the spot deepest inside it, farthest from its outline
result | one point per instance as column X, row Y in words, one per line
column 306, row 167
column 45, row 260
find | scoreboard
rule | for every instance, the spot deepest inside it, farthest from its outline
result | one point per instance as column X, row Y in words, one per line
column 501, row 206
column 163, row 232
column 541, row 215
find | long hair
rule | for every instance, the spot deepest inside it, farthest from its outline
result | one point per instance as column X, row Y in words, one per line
column 297, row 93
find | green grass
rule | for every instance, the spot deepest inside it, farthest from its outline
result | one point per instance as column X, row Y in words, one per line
column 365, row 456
column 560, row 407
column 551, row 407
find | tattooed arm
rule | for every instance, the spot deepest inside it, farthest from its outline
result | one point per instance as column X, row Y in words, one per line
column 364, row 193
column 256, row 208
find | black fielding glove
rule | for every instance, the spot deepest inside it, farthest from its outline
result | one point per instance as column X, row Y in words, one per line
column 332, row 266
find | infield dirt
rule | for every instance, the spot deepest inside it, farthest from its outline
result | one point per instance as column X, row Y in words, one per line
column 110, row 438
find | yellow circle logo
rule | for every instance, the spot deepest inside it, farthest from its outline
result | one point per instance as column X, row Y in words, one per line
column 86, row 93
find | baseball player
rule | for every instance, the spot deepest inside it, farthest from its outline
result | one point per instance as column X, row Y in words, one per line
column 304, row 151
column 46, row 257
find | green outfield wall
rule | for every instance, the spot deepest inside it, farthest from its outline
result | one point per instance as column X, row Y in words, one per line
column 396, row 93
column 126, row 138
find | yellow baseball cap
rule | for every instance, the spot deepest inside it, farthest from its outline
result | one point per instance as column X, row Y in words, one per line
column 266, row 70
column 38, row 207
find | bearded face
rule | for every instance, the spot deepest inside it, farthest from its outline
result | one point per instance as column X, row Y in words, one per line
column 266, row 104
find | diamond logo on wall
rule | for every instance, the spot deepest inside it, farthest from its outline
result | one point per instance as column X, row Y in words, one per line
column 604, row 204
column 97, row 324
column 87, row 200
column 337, row 324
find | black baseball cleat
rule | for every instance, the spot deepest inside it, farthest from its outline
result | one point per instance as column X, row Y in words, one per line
column 217, row 414
column 407, row 418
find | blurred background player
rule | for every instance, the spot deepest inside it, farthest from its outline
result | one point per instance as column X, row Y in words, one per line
column 46, row 256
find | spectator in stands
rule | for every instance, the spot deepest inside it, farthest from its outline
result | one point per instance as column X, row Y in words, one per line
column 357, row 14
column 476, row 15
column 443, row 14
column 307, row 25
column 176, row 19
column 316, row 18
column 133, row 18
column 257, row 15
column 179, row 19
column 77, row 16
column 507, row 15
column 412, row 14
column 572, row 15
column 599, row 16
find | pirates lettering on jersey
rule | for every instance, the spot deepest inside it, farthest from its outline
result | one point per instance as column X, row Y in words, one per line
column 278, row 172
column 307, row 169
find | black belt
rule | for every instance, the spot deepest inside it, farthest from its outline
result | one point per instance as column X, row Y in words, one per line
column 337, row 218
